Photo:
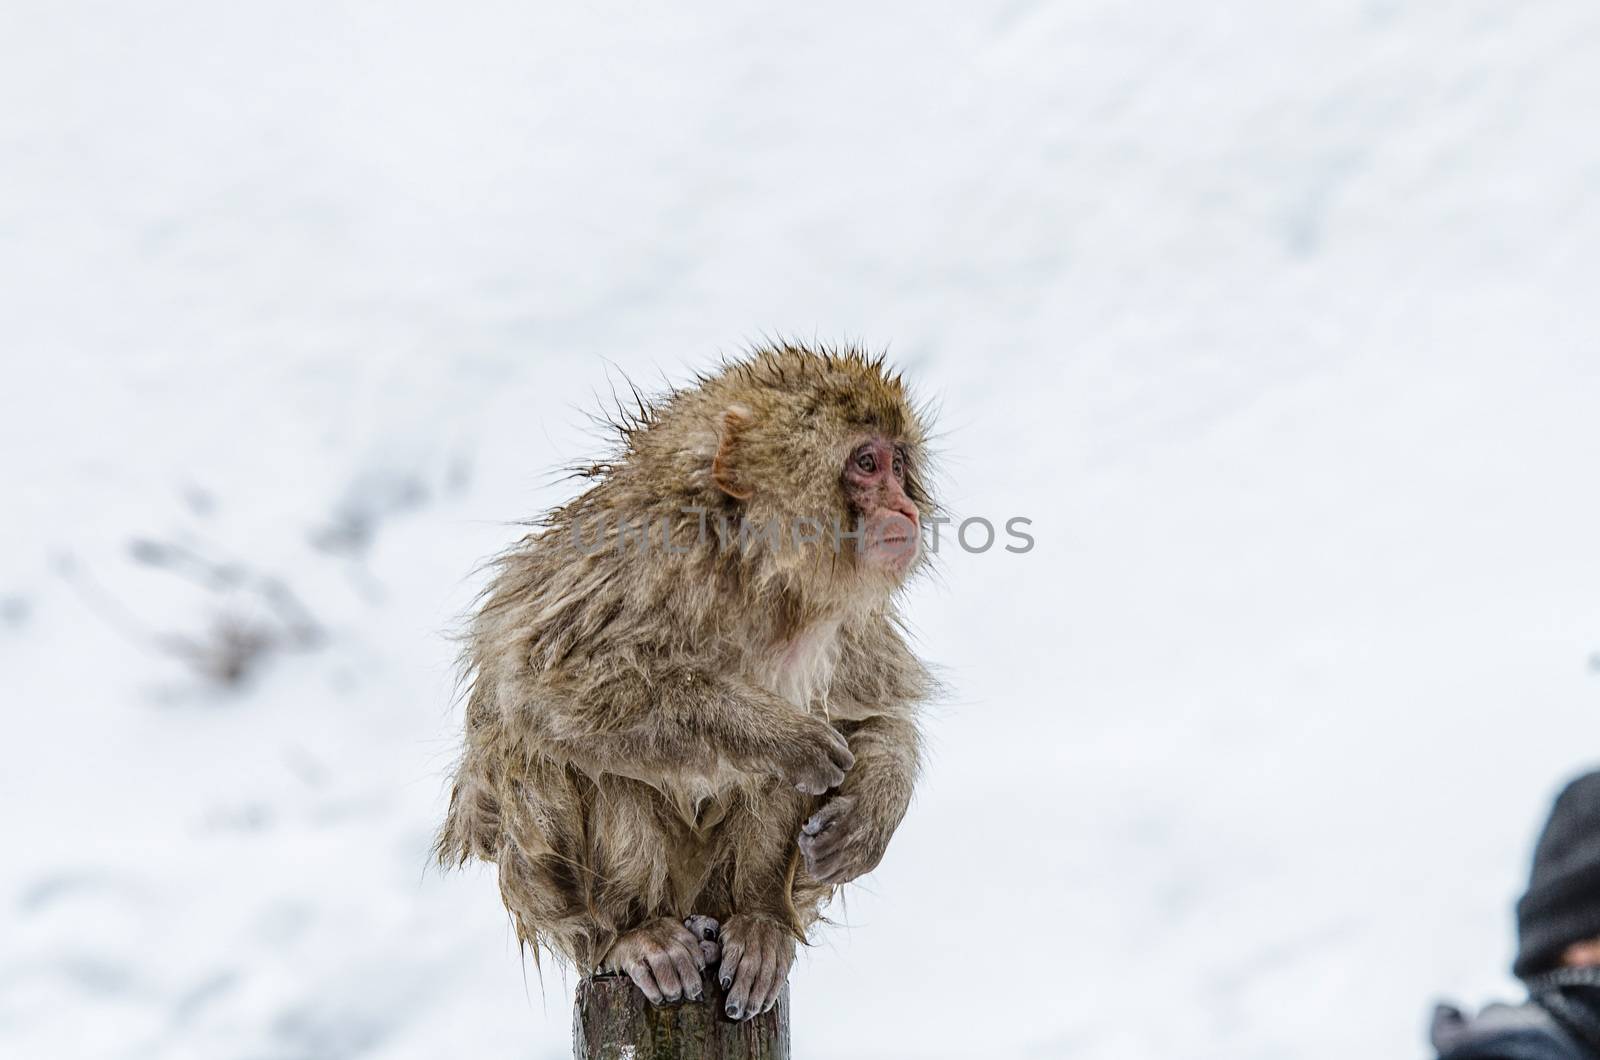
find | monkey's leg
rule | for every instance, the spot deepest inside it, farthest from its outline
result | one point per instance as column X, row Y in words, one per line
column 547, row 904
column 547, row 867
column 664, row 959
column 758, row 937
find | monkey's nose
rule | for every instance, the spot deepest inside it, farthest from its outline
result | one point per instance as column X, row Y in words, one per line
column 904, row 507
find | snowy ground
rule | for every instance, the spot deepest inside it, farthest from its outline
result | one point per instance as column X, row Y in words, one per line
column 1279, row 321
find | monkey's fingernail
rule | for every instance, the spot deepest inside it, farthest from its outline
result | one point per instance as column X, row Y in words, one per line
column 726, row 982
column 708, row 933
column 733, row 1012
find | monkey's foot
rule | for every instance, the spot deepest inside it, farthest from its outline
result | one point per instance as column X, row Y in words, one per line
column 757, row 951
column 664, row 958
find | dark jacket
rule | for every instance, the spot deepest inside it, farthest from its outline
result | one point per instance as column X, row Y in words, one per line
column 1559, row 1021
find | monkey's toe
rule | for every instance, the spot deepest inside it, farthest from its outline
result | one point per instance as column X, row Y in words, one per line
column 706, row 928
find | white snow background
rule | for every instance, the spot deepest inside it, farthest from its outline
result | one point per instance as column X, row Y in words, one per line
column 1280, row 321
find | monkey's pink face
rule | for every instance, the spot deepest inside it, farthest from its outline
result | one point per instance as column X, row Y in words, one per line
column 875, row 481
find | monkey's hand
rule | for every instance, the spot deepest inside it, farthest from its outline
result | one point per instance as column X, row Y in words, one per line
column 757, row 951
column 815, row 758
column 840, row 843
column 664, row 958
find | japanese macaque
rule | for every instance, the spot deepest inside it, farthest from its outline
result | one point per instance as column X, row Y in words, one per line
column 691, row 710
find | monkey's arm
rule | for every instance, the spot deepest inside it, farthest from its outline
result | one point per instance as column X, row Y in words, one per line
column 849, row 834
column 676, row 718
column 881, row 682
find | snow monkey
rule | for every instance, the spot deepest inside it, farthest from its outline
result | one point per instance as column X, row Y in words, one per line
column 691, row 711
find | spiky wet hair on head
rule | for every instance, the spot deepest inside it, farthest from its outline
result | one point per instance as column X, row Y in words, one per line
column 763, row 438
column 792, row 415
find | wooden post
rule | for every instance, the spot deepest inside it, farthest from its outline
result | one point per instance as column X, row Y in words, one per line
column 613, row 1021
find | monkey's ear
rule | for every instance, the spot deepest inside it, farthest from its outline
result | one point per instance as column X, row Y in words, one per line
column 725, row 465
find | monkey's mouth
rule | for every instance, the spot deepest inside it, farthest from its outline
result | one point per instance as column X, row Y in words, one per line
column 895, row 550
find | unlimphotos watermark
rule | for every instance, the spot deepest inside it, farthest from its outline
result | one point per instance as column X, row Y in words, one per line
column 694, row 527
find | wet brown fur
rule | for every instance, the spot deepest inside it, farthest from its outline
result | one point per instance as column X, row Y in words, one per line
column 628, row 712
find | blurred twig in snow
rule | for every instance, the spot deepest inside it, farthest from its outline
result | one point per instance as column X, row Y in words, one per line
column 371, row 498
column 258, row 614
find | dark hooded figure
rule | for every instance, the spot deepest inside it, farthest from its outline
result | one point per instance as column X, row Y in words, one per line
column 1558, row 953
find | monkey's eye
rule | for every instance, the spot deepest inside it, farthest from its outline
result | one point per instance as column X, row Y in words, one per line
column 899, row 466
column 867, row 462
